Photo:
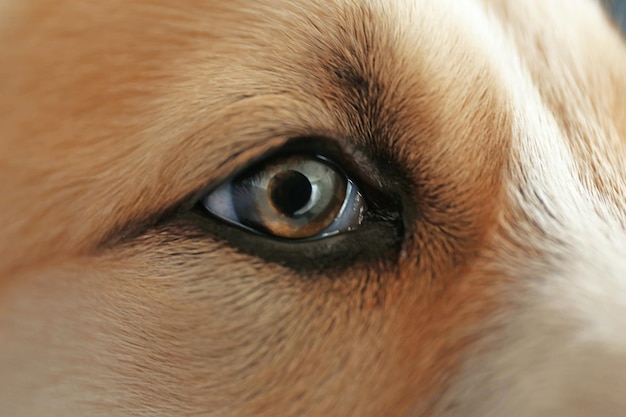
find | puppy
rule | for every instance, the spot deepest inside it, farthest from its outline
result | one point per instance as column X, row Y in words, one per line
column 312, row 208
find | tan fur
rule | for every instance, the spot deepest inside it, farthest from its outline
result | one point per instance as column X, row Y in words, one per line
column 113, row 112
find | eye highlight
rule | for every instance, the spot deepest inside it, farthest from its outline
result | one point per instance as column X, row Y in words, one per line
column 294, row 197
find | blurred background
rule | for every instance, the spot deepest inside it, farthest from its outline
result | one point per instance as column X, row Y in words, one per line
column 618, row 9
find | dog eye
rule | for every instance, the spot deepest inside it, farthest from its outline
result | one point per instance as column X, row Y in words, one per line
column 294, row 197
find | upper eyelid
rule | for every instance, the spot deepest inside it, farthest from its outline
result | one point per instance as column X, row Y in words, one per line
column 238, row 133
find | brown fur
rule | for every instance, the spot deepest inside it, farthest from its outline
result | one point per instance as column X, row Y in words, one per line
column 112, row 113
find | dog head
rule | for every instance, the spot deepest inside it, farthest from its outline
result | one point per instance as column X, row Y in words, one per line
column 483, row 274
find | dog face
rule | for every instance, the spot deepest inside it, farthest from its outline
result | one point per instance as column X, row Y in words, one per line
column 483, row 275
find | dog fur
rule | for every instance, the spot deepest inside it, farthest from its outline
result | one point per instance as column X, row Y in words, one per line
column 506, row 119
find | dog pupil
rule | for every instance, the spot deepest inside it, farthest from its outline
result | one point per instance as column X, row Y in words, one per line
column 290, row 191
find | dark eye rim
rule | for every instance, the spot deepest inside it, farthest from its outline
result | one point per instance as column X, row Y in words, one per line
column 380, row 236
column 377, row 241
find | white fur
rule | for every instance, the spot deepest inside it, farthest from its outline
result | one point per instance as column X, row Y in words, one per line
column 563, row 352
